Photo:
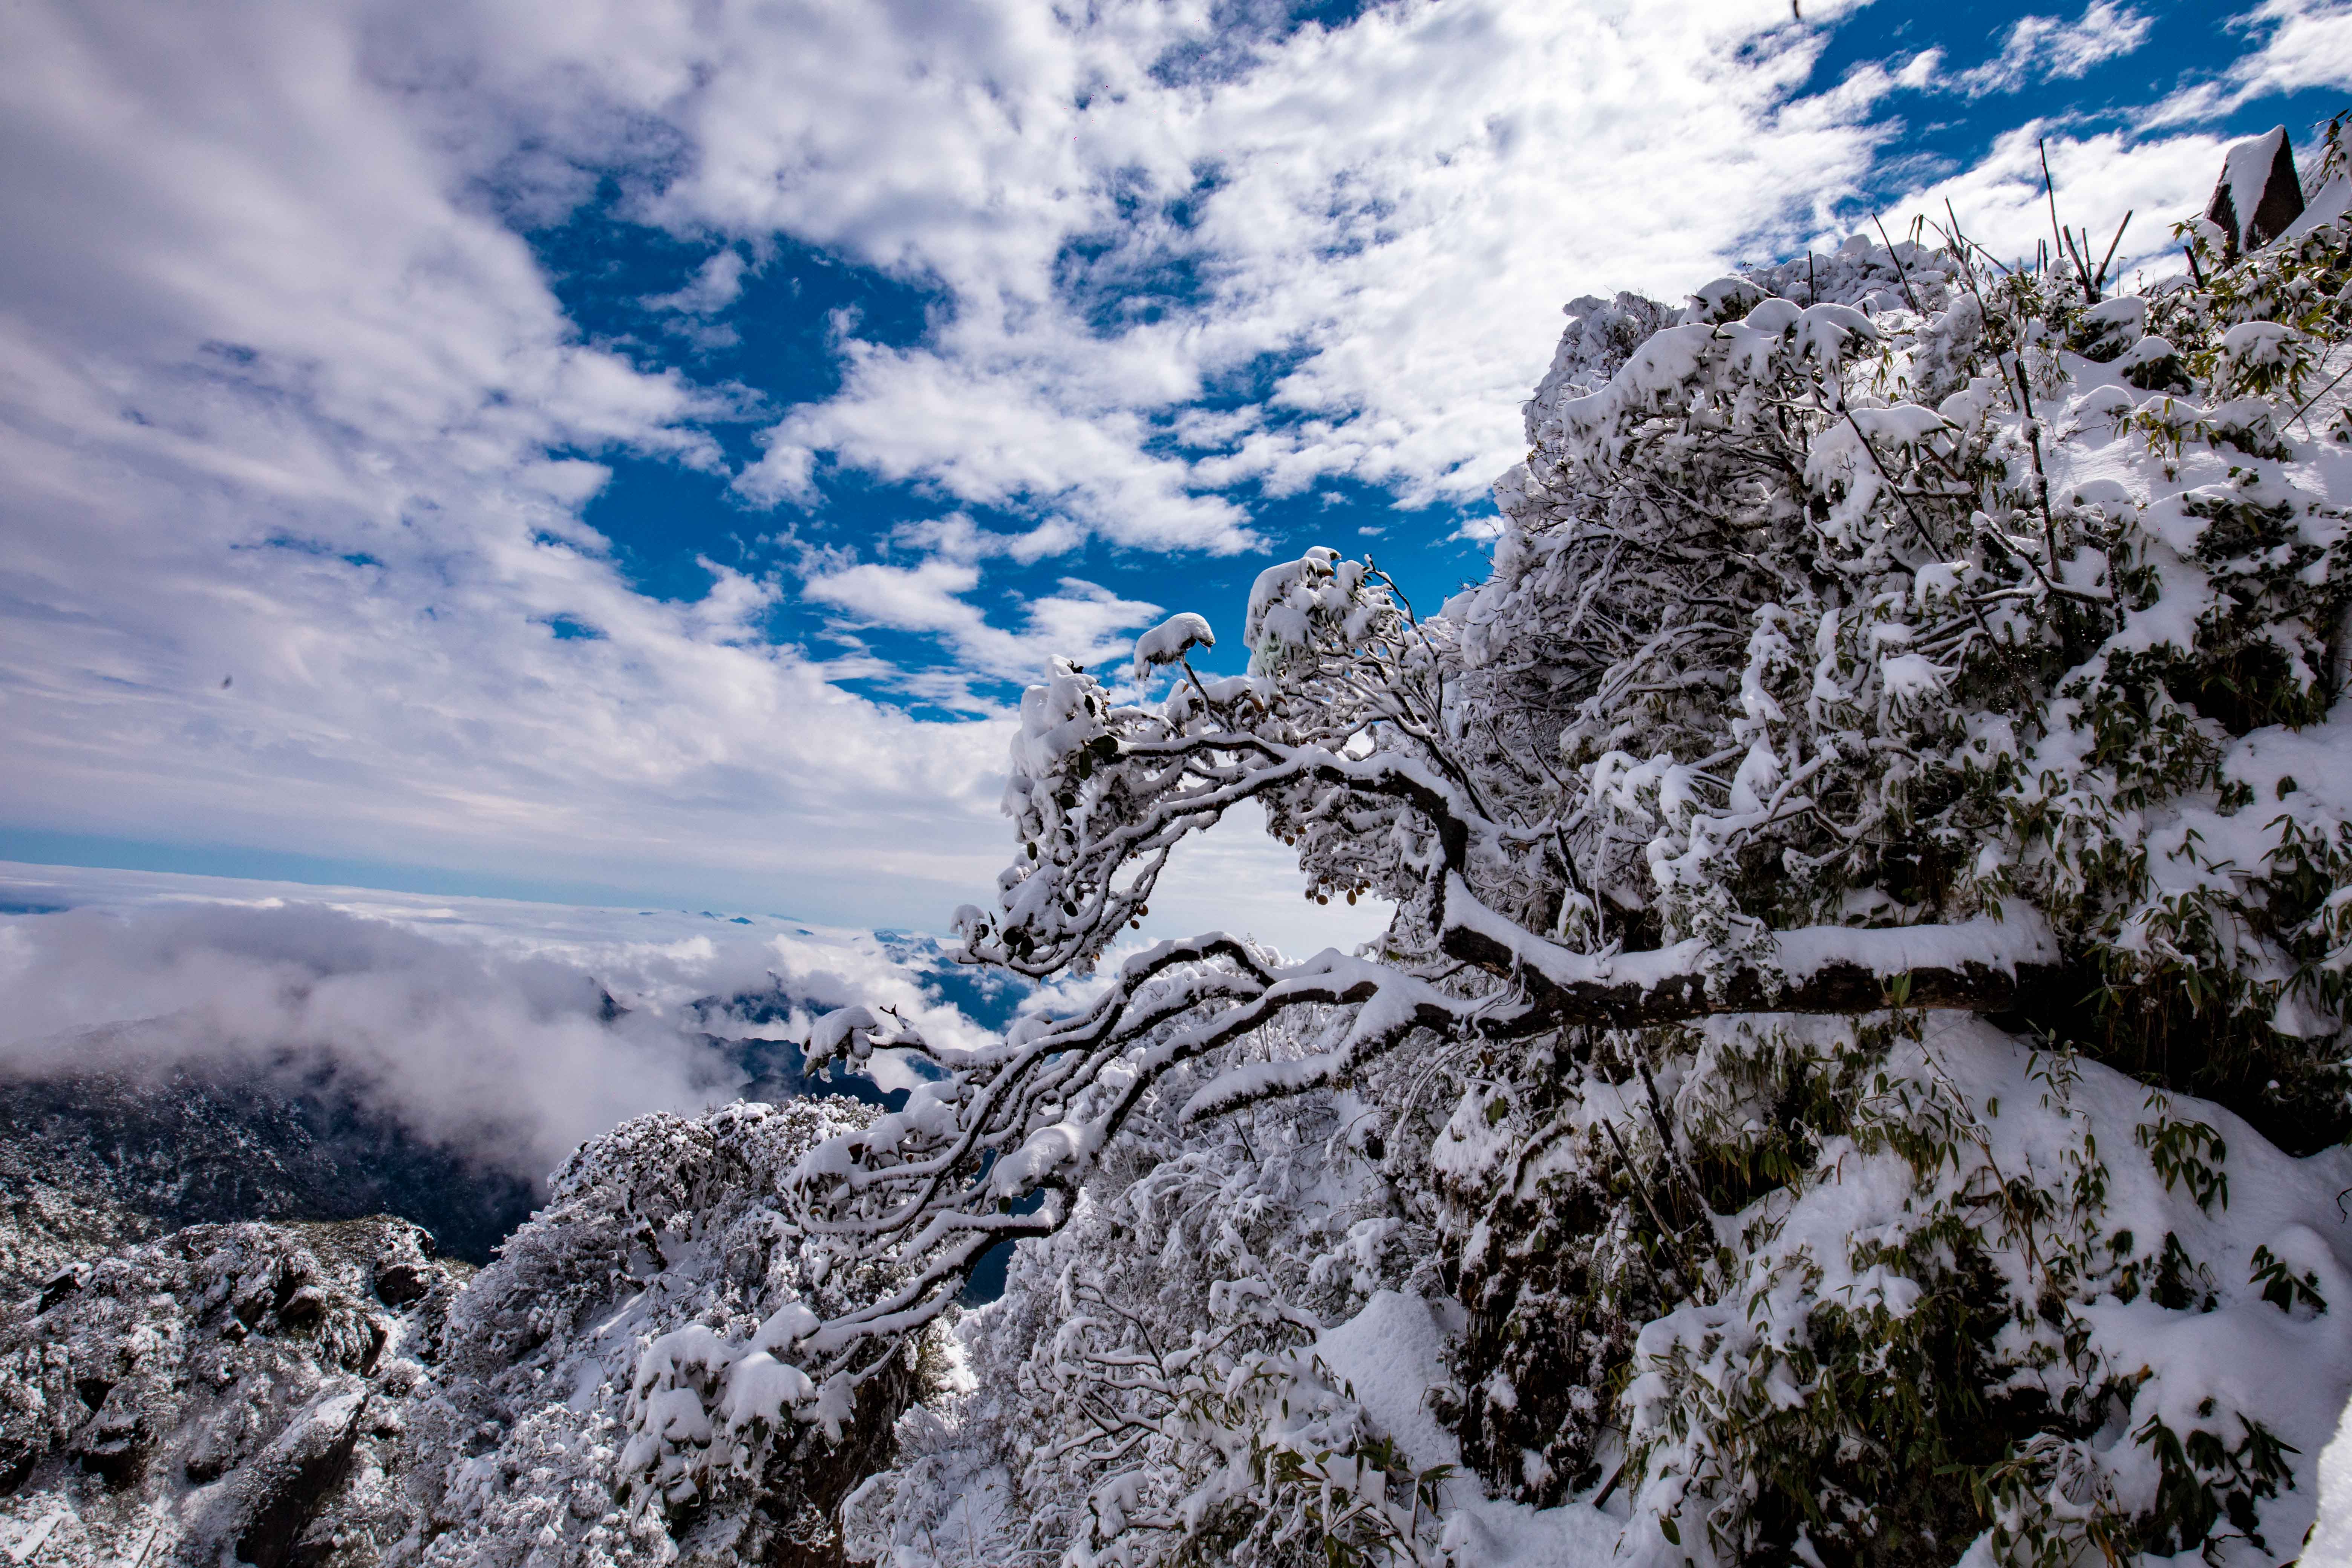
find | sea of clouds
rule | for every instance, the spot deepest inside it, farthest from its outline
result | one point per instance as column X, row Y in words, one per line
column 509, row 1031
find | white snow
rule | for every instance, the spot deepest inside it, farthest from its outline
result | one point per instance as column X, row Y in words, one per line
column 2246, row 173
column 1171, row 640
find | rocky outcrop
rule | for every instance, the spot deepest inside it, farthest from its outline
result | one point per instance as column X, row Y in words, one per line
column 200, row 1398
column 333, row 1396
column 2259, row 195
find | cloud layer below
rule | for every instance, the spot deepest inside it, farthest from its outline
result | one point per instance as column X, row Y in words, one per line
column 479, row 1023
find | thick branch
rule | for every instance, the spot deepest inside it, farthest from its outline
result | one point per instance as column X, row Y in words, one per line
column 1982, row 965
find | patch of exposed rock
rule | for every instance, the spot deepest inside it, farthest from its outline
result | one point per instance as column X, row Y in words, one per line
column 200, row 1398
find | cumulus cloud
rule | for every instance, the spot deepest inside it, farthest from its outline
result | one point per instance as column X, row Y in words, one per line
column 1388, row 212
column 1118, row 211
column 1003, row 440
column 715, row 285
column 1367, row 228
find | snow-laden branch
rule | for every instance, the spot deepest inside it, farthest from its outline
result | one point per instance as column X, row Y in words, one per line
column 1982, row 965
column 955, row 1172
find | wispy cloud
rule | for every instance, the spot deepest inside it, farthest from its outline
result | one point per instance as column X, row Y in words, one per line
column 2049, row 49
column 1081, row 621
column 2302, row 44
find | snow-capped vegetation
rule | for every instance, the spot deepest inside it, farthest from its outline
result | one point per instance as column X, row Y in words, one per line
column 1858, row 1071
column 1857, row 1075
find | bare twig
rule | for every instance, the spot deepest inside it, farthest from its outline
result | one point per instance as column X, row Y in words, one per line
column 1634, row 1176
column 2049, row 185
column 1666, row 1139
column 2315, row 396
column 2102, row 280
column 1899, row 273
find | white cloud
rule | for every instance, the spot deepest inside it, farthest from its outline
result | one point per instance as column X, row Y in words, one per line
column 1002, row 441
column 2303, row 44
column 1083, row 621
column 957, row 538
column 1394, row 208
column 480, row 1022
column 715, row 285
column 2046, row 48
column 786, row 470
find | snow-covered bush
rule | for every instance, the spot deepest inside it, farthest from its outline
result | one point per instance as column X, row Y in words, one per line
column 605, row 1392
column 1864, row 1030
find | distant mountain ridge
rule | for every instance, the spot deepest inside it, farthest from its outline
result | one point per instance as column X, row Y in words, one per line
column 97, row 1162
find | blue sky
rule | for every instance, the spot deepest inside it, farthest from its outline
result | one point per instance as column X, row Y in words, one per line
column 637, row 452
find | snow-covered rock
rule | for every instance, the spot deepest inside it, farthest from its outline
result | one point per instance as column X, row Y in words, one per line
column 204, row 1396
column 2259, row 195
column 333, row 1395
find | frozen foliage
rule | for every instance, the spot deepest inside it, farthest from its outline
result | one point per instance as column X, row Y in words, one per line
column 1171, row 640
column 1857, row 1074
column 600, row 1394
column 1154, row 1366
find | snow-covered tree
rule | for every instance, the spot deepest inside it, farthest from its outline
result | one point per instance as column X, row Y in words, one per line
column 1863, row 1035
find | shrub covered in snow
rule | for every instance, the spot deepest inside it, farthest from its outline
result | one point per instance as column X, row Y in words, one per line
column 1152, row 1370
column 1860, row 1059
column 608, row 1390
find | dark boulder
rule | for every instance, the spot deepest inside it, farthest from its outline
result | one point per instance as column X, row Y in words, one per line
column 2260, row 192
